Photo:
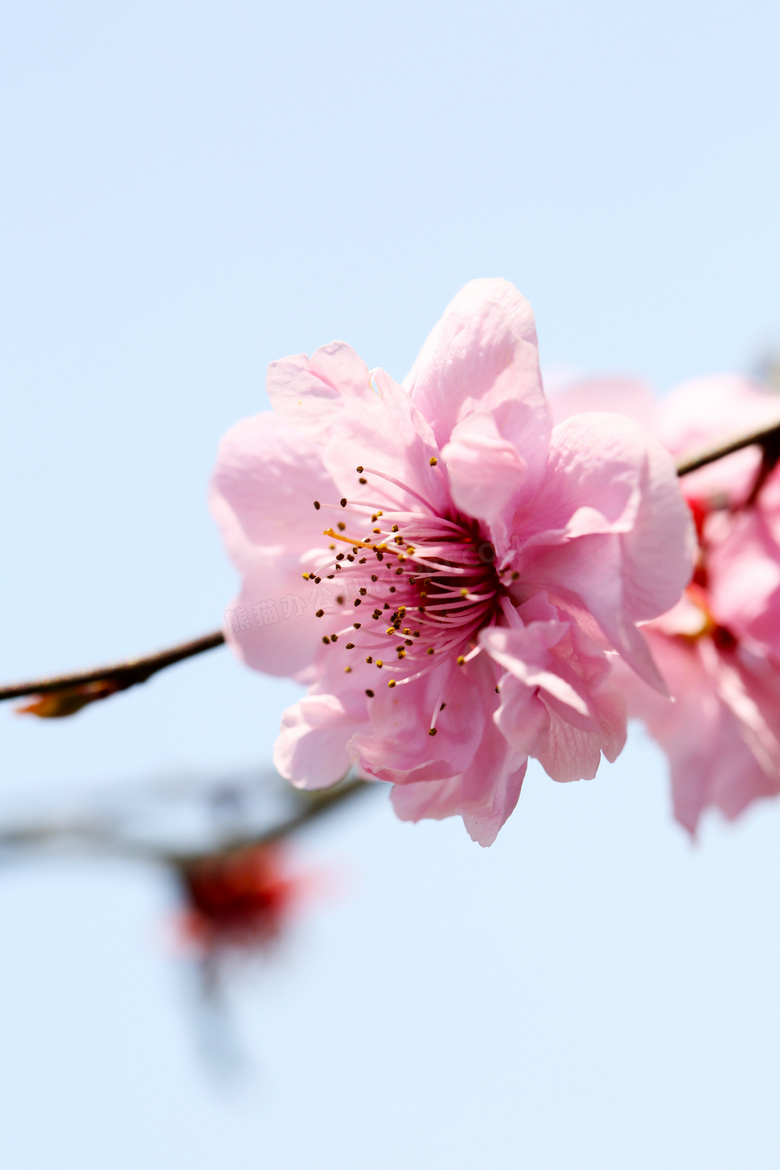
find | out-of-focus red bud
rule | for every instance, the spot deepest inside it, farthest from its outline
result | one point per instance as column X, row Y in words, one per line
column 242, row 900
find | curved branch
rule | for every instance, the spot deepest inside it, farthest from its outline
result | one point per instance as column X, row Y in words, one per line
column 120, row 675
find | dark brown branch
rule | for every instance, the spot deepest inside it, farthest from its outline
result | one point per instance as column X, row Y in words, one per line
column 765, row 438
column 770, row 457
column 121, row 674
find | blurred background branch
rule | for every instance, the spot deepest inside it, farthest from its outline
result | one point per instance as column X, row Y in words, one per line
column 177, row 824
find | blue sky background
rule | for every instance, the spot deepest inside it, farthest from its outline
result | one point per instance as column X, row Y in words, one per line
column 191, row 190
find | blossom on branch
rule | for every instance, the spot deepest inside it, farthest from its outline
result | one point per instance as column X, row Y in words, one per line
column 719, row 647
column 479, row 566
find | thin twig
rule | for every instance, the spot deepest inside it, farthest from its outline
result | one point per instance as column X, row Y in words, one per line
column 123, row 674
column 770, row 457
column 138, row 670
column 761, row 438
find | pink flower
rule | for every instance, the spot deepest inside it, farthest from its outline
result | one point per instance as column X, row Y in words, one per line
column 719, row 647
column 444, row 569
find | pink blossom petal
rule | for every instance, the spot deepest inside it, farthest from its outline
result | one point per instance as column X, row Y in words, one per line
column 525, row 654
column 752, row 699
column 419, row 800
column 309, row 392
column 624, row 396
column 711, row 761
column 611, row 533
column 400, row 746
column 593, row 478
column 271, row 624
column 744, row 577
column 486, row 472
column 267, row 476
column 657, row 553
column 556, row 700
column 484, row 809
column 311, row 750
column 385, row 432
column 566, row 752
column 585, row 576
column 357, row 418
column 482, row 357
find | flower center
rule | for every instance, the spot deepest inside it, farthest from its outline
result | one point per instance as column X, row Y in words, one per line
column 415, row 587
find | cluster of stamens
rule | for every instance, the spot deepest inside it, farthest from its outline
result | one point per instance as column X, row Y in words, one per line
column 414, row 589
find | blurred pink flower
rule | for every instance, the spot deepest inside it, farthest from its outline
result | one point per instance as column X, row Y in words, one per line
column 719, row 647
column 465, row 566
